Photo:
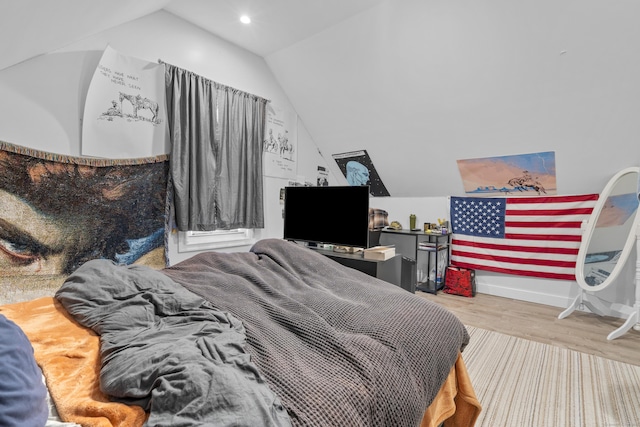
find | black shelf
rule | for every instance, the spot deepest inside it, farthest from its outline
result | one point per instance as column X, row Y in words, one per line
column 430, row 287
column 411, row 243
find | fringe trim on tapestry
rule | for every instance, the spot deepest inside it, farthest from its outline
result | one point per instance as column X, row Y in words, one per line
column 84, row 161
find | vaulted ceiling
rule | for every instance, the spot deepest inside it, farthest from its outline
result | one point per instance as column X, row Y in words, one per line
column 32, row 27
column 419, row 84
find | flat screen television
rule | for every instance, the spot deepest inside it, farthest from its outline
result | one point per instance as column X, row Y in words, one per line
column 337, row 215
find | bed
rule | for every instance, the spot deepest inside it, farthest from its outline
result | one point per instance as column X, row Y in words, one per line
column 276, row 336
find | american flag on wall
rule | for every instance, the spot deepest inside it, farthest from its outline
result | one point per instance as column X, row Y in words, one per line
column 526, row 236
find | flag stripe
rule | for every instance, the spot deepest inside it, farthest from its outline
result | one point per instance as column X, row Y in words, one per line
column 529, row 236
column 553, row 199
column 519, row 272
column 500, row 247
column 489, row 263
column 515, row 260
column 562, row 237
column 550, row 212
column 544, row 231
column 538, row 224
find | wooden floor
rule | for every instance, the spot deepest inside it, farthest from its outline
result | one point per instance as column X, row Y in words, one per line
column 580, row 331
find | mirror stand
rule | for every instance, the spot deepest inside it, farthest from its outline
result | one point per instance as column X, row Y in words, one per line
column 633, row 319
column 600, row 307
column 606, row 244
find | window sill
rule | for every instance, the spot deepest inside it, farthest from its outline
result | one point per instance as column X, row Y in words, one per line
column 191, row 241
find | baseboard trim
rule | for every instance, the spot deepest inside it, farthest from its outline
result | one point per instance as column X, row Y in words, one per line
column 560, row 301
column 524, row 295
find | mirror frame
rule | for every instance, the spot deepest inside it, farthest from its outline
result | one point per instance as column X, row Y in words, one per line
column 589, row 230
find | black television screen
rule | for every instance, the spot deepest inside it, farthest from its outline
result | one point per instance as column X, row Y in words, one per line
column 337, row 215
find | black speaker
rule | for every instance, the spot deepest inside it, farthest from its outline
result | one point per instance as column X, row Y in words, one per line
column 408, row 275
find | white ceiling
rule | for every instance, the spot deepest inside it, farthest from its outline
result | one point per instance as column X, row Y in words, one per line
column 275, row 24
column 29, row 28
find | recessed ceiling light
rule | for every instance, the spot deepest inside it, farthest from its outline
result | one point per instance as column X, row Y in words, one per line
column 245, row 19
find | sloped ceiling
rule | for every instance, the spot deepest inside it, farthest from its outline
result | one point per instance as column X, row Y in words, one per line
column 29, row 28
column 418, row 84
column 275, row 24
column 33, row 27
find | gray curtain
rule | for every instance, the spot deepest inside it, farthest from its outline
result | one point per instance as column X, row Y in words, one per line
column 217, row 134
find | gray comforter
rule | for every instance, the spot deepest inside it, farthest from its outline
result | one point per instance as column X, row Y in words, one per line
column 168, row 350
column 232, row 338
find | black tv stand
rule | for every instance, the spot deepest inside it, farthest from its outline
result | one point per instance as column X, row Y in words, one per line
column 390, row 270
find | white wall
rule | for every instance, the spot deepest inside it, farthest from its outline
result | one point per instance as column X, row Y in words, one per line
column 420, row 84
column 42, row 100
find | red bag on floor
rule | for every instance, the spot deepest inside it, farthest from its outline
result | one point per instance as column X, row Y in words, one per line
column 460, row 281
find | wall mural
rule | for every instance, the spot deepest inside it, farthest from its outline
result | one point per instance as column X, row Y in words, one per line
column 57, row 212
column 516, row 175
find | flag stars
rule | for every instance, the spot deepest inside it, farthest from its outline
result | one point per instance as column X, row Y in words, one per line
column 480, row 217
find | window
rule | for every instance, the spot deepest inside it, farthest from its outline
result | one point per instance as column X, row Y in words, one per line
column 189, row 241
column 223, row 128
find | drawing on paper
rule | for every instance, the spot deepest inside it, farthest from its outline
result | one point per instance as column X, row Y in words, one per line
column 523, row 174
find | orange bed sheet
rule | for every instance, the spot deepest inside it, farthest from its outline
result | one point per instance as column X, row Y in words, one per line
column 68, row 355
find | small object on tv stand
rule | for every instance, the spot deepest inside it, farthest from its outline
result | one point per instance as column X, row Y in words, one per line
column 412, row 222
column 395, row 225
column 322, row 246
column 346, row 249
column 380, row 253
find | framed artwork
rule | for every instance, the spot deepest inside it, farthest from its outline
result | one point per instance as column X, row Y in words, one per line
column 522, row 174
column 358, row 168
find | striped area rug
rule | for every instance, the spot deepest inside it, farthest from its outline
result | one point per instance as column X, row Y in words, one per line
column 526, row 383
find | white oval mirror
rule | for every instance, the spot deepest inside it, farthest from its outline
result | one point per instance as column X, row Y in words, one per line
column 610, row 232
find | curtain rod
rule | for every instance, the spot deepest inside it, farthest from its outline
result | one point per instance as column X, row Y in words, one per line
column 160, row 61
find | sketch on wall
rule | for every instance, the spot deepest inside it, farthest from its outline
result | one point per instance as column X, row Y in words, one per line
column 280, row 144
column 358, row 168
column 125, row 110
column 323, row 177
column 521, row 174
